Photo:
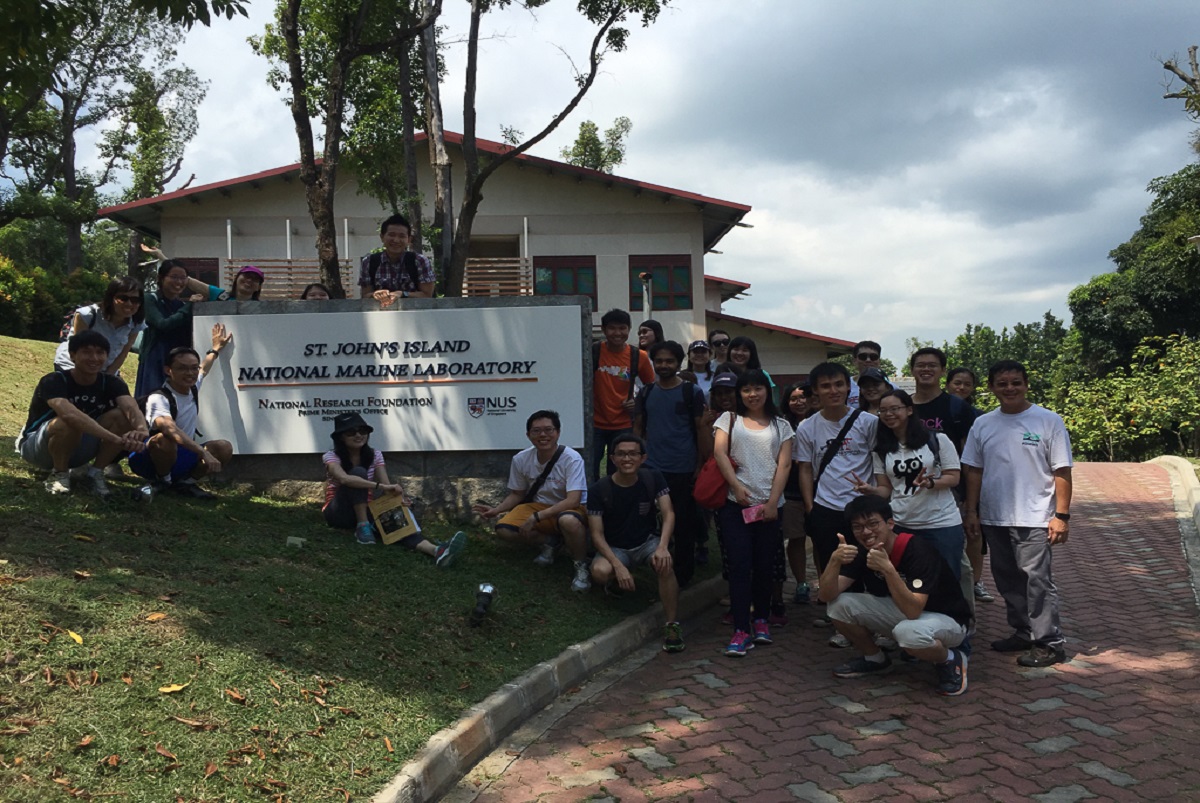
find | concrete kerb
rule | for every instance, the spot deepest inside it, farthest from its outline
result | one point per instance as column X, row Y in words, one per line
column 1185, row 487
column 450, row 753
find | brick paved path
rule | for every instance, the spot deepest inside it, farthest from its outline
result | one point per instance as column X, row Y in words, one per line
column 1118, row 722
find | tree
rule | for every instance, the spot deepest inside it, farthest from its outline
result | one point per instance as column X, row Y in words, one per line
column 320, row 44
column 1190, row 93
column 599, row 154
column 608, row 17
column 1037, row 346
column 91, row 85
column 1156, row 283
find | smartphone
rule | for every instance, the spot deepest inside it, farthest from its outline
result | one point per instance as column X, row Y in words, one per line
column 752, row 514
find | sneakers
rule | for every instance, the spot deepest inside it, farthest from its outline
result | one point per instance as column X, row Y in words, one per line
column 113, row 471
column 583, row 576
column 952, row 676
column 859, row 667
column 546, row 556
column 364, row 533
column 445, row 555
column 839, row 641
column 762, row 631
column 982, row 594
column 1013, row 643
column 99, row 486
column 1043, row 655
column 59, row 483
column 801, row 596
column 778, row 617
column 672, row 637
column 740, row 644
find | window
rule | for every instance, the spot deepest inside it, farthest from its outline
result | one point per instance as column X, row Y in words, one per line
column 671, row 285
column 565, row 276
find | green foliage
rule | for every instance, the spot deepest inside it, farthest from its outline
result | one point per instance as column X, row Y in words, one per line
column 33, row 302
column 1037, row 346
column 1156, row 283
column 1146, row 408
column 589, row 150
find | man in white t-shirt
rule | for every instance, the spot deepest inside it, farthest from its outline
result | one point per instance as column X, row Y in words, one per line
column 547, row 493
column 1018, row 464
column 173, row 460
column 827, row 490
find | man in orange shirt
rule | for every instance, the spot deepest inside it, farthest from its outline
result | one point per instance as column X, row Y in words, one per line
column 617, row 368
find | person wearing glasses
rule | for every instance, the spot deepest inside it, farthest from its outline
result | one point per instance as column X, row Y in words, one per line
column 623, row 510
column 718, row 339
column 547, row 491
column 355, row 474
column 867, row 354
column 119, row 317
column 917, row 469
column 884, row 580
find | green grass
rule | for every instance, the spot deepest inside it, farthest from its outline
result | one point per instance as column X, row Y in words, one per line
column 308, row 671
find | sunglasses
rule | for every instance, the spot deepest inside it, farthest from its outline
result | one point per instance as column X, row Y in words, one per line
column 719, row 343
column 129, row 299
column 866, row 357
column 357, row 431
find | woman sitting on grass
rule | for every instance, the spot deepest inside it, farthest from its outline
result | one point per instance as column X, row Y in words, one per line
column 356, row 472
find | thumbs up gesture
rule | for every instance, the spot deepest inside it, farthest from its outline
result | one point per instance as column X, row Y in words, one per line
column 845, row 553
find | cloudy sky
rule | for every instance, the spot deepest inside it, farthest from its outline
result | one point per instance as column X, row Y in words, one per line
column 913, row 167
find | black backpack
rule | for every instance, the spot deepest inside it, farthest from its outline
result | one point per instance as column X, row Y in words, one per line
column 171, row 405
column 409, row 268
column 68, row 325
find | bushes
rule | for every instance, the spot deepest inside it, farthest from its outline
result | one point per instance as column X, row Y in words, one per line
column 34, row 301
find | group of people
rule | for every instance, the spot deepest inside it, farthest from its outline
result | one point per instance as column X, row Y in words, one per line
column 898, row 494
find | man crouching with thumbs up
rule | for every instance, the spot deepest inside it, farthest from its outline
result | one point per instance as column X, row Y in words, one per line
column 891, row 583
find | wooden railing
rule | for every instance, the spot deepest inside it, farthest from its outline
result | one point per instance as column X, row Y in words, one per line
column 509, row 276
column 287, row 278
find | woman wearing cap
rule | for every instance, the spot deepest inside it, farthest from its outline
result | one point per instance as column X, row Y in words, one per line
column 872, row 384
column 699, row 368
column 355, row 474
column 247, row 284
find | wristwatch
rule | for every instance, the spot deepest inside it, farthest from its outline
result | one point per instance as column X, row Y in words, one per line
column 1062, row 516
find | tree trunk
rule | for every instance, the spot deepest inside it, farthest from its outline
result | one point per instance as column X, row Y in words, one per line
column 408, row 115
column 439, row 160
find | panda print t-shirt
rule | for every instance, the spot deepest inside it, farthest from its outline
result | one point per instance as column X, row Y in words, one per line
column 916, row 507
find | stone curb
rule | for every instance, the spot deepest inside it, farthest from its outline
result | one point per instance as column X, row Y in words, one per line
column 1185, row 487
column 450, row 753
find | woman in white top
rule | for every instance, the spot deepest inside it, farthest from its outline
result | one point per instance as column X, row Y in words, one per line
column 918, row 470
column 753, row 451
column 118, row 317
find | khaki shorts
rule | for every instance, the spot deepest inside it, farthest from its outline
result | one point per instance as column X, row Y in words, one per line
column 547, row 526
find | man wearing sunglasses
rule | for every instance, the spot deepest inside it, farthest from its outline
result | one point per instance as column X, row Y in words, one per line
column 867, row 354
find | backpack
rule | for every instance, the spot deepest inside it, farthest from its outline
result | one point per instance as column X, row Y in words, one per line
column 68, row 326
column 171, row 405
column 408, row 268
column 634, row 355
column 689, row 399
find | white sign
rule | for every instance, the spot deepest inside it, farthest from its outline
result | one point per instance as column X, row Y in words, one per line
column 426, row 380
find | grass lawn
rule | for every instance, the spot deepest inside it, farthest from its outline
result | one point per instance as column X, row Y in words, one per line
column 180, row 650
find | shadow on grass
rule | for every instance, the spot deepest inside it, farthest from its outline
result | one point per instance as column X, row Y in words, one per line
column 348, row 657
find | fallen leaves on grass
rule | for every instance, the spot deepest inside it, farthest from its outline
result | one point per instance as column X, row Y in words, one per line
column 164, row 752
column 85, row 538
column 82, row 575
column 388, row 744
column 236, row 696
column 198, row 724
column 156, row 617
column 13, row 731
column 173, row 687
column 86, row 741
column 112, row 760
column 127, row 680
column 273, row 683
column 210, row 769
column 343, row 791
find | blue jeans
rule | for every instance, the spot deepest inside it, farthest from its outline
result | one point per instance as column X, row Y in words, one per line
column 750, row 550
column 950, row 542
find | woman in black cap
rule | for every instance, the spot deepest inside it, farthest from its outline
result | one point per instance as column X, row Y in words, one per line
column 355, row 475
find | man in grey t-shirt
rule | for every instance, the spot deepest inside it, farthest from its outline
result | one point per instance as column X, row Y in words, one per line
column 1018, row 465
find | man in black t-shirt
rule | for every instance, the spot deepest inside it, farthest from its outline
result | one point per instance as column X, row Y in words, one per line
column 81, row 415
column 623, row 511
column 892, row 583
